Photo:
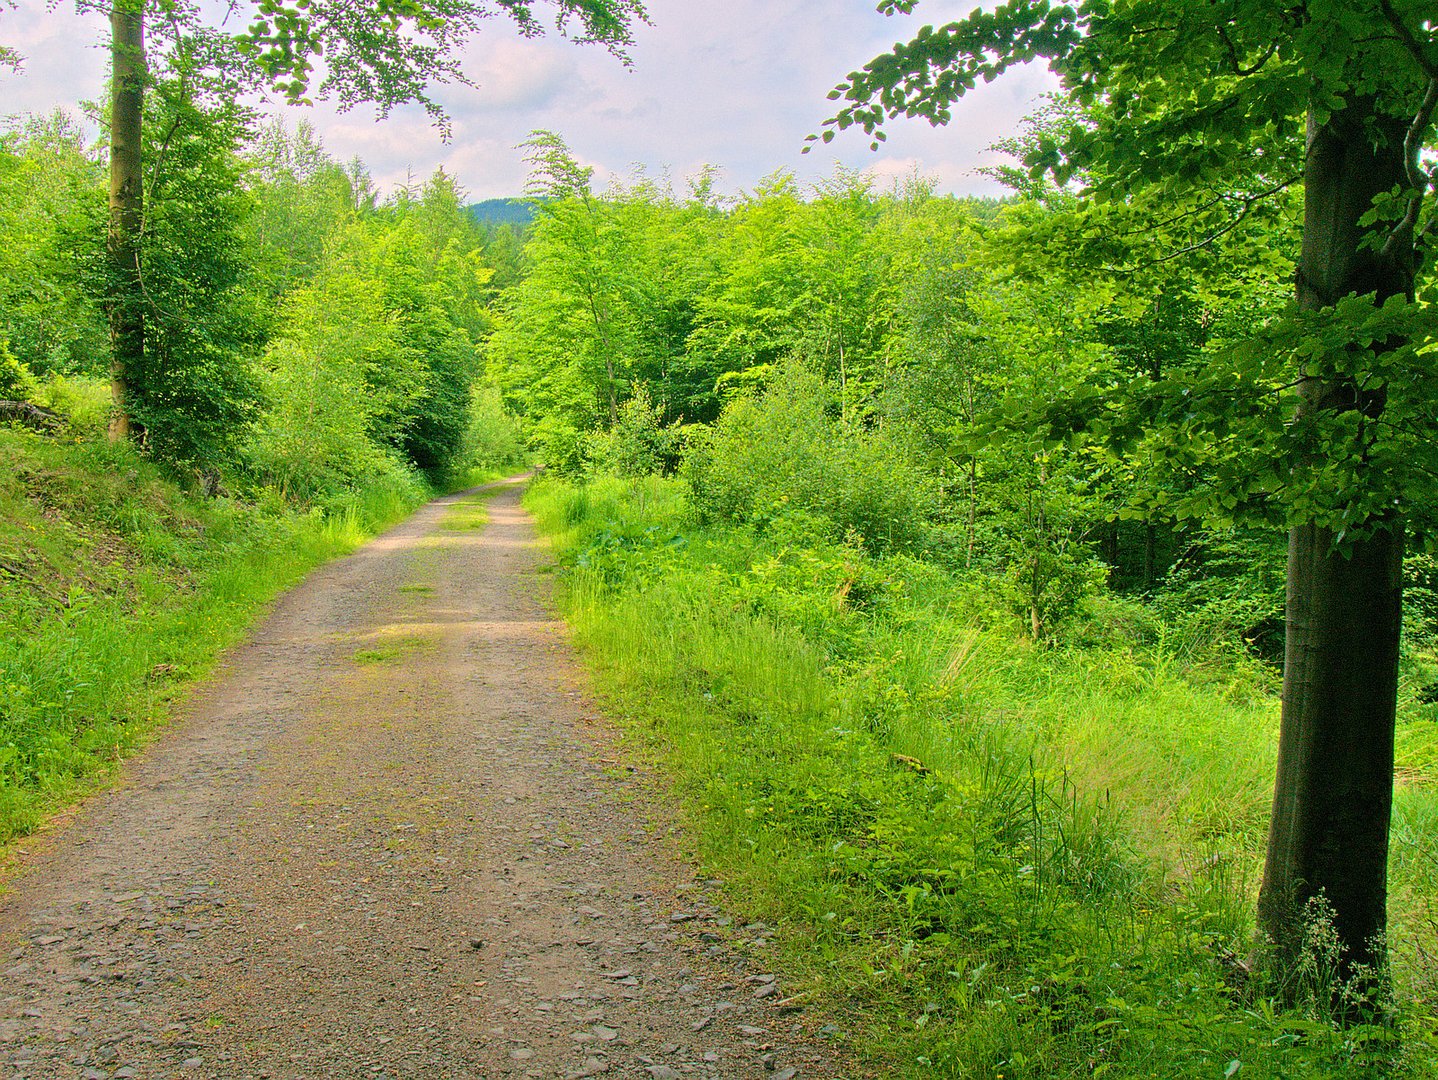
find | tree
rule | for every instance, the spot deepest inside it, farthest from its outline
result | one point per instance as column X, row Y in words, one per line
column 371, row 364
column 192, row 391
column 125, row 292
column 943, row 370
column 1185, row 95
column 301, row 195
column 386, row 53
column 52, row 206
column 798, row 276
column 607, row 304
column 333, row 335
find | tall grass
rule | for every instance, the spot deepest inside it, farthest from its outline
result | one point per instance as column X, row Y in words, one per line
column 989, row 858
column 117, row 589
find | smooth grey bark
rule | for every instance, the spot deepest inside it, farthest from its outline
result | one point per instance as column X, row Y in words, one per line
column 124, row 300
column 1332, row 801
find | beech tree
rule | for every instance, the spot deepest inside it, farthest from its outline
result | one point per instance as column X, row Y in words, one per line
column 386, row 53
column 1324, row 420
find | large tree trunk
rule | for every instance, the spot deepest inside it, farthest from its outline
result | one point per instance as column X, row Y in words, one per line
column 125, row 301
column 1332, row 801
column 1329, row 833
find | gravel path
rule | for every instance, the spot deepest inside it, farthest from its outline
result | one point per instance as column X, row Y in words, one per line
column 391, row 838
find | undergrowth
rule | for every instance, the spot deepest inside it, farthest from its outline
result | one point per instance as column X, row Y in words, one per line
column 990, row 858
column 117, row 588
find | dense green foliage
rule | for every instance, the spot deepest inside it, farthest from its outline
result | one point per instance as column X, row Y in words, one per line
column 1188, row 117
column 891, row 531
column 51, row 203
column 934, row 543
column 1001, row 858
column 311, row 372
column 194, row 392
column 301, row 333
column 856, row 355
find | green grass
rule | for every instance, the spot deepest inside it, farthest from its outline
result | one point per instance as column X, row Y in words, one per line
column 987, row 858
column 117, row 589
column 391, row 652
column 469, row 514
column 482, row 474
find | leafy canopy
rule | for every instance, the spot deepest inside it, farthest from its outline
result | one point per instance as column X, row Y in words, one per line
column 389, row 51
column 1189, row 128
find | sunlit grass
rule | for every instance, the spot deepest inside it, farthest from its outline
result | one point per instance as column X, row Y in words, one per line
column 986, row 856
column 392, row 651
column 118, row 589
column 468, row 514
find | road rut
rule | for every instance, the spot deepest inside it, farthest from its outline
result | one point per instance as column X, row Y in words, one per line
column 390, row 838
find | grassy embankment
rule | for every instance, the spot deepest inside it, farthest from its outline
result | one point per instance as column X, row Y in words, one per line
column 118, row 589
column 990, row 859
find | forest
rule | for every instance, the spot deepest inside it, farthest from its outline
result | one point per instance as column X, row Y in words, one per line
column 933, row 547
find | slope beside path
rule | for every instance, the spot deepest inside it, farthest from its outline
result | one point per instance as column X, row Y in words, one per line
column 388, row 839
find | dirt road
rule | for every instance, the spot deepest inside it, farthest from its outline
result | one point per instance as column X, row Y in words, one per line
column 390, row 838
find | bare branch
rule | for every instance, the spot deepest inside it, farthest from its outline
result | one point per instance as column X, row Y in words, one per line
column 1417, row 133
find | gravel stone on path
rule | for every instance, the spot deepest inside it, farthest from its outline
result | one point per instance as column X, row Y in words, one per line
column 388, row 839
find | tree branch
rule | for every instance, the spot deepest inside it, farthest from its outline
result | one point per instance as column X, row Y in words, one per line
column 1410, row 41
column 1248, row 202
column 1217, row 200
column 1238, row 69
column 1418, row 180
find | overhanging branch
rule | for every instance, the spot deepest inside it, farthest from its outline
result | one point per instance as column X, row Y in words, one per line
column 1418, row 180
column 1409, row 39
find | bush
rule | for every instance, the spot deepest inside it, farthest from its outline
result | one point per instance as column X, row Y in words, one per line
column 1229, row 594
column 787, row 451
column 558, row 446
column 492, row 439
column 639, row 443
column 84, row 402
column 16, row 382
column 1420, row 601
column 315, row 441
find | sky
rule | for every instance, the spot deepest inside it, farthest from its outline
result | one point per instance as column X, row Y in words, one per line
column 736, row 84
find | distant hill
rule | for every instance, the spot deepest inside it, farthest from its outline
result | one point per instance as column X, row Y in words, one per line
column 503, row 211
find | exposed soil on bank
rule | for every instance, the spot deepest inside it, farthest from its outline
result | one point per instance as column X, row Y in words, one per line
column 390, row 838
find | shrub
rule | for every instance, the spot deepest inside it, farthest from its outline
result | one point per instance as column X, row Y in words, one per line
column 15, row 379
column 639, row 443
column 83, row 401
column 787, row 450
column 1228, row 594
column 492, row 439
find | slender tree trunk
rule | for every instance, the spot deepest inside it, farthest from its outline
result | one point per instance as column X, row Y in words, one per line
column 972, row 521
column 124, row 302
column 1110, row 546
column 1150, row 530
column 1150, row 554
column 1333, row 797
column 610, row 381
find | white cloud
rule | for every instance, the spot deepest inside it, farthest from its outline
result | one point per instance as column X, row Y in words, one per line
column 519, row 75
column 737, row 84
column 64, row 61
